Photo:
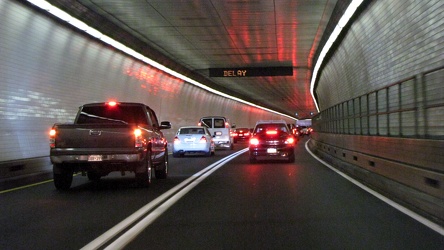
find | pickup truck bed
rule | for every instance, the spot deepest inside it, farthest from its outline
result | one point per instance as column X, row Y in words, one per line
column 106, row 138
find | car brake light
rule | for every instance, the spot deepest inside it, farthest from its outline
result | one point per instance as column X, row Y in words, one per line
column 254, row 141
column 290, row 140
column 199, row 124
column 52, row 134
column 271, row 132
column 176, row 140
column 203, row 139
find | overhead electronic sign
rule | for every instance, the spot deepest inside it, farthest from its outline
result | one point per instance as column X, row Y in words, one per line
column 251, row 72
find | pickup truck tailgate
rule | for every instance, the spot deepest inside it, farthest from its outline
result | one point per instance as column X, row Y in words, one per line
column 94, row 137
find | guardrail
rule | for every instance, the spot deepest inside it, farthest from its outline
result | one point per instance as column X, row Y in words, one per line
column 392, row 139
column 10, row 170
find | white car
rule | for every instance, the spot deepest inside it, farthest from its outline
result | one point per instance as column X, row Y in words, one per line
column 193, row 140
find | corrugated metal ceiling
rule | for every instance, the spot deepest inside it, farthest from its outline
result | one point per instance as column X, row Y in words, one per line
column 203, row 34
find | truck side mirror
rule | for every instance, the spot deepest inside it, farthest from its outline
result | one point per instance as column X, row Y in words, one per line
column 165, row 125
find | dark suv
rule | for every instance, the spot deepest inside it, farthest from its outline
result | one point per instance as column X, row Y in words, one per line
column 272, row 140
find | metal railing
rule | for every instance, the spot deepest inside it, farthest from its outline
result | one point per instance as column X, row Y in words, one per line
column 412, row 108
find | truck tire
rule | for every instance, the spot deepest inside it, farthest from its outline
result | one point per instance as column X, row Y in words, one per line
column 93, row 176
column 161, row 171
column 62, row 177
column 144, row 175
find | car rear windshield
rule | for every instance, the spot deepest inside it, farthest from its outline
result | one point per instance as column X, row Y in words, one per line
column 192, row 131
column 260, row 128
column 115, row 114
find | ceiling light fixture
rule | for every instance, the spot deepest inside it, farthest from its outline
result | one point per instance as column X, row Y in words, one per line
column 334, row 35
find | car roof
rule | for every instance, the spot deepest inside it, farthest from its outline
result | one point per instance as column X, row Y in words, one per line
column 120, row 103
column 192, row 127
column 271, row 122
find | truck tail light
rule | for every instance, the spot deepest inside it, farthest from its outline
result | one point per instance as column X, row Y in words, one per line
column 138, row 143
column 52, row 134
column 111, row 103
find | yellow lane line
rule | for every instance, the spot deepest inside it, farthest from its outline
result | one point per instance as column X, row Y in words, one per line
column 23, row 187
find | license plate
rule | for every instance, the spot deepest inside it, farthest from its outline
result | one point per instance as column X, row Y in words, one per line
column 94, row 158
column 271, row 150
column 189, row 139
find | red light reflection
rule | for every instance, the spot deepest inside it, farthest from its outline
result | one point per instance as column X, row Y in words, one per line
column 155, row 81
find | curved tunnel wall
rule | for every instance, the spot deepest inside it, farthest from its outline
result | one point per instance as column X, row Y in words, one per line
column 48, row 70
column 382, row 100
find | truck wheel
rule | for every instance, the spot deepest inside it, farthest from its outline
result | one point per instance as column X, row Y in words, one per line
column 161, row 171
column 62, row 177
column 93, row 176
column 143, row 177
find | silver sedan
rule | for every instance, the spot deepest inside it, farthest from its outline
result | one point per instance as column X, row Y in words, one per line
column 193, row 140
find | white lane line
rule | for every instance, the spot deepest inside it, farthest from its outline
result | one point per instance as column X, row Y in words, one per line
column 168, row 199
column 428, row 223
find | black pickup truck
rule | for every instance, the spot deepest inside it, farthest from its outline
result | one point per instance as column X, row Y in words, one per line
column 107, row 137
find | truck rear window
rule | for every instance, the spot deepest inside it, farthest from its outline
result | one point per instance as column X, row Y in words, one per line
column 207, row 122
column 116, row 114
column 219, row 123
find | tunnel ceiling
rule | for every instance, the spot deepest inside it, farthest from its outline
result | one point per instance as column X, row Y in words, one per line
column 203, row 34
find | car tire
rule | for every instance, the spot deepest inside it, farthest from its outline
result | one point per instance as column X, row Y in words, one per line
column 62, row 177
column 161, row 171
column 144, row 177
column 208, row 153
column 252, row 159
